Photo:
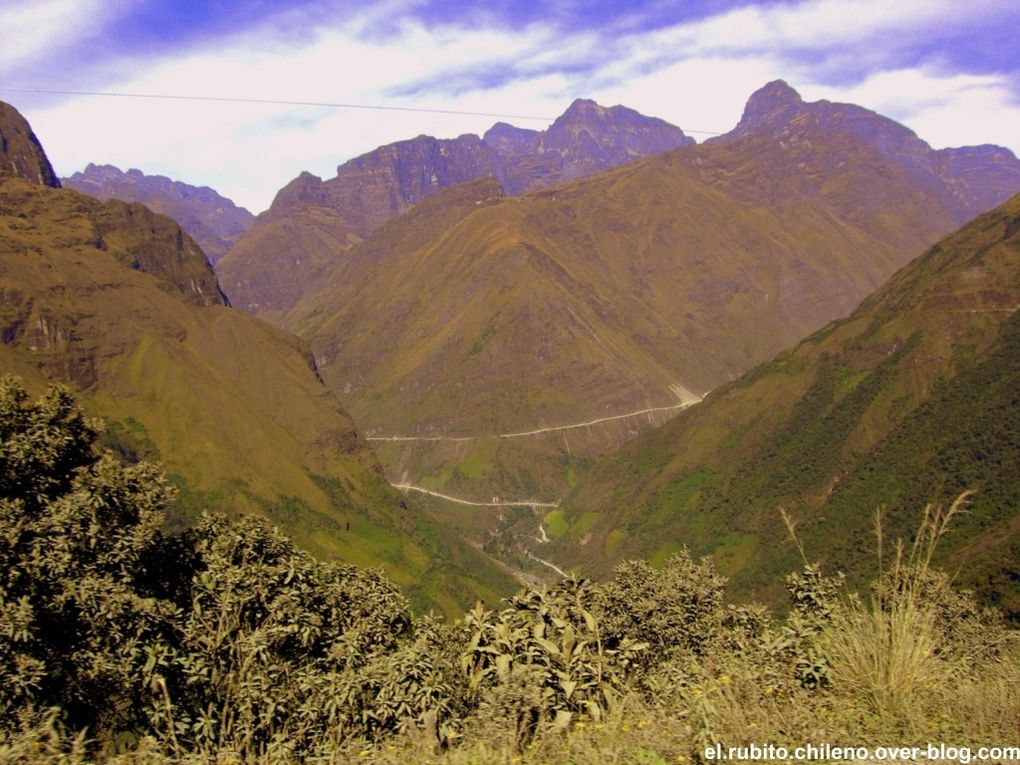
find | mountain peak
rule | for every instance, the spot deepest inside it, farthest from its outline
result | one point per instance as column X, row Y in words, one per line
column 775, row 100
column 21, row 154
column 585, row 107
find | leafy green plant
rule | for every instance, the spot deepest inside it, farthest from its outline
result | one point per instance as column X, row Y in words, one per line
column 547, row 646
column 78, row 617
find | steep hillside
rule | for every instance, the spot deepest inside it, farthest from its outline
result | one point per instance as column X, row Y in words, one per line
column 290, row 246
column 312, row 223
column 910, row 400
column 120, row 303
column 463, row 324
column 213, row 221
column 968, row 181
column 21, row 154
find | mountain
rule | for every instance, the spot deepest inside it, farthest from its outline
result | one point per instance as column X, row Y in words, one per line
column 213, row 221
column 584, row 140
column 478, row 317
column 267, row 272
column 21, row 154
column 120, row 303
column 914, row 398
column 969, row 180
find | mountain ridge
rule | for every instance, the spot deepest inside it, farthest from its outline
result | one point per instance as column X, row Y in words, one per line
column 601, row 296
column 212, row 220
column 910, row 399
column 374, row 187
column 121, row 304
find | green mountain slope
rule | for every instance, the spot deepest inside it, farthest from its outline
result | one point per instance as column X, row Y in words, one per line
column 478, row 315
column 912, row 399
column 120, row 303
column 312, row 223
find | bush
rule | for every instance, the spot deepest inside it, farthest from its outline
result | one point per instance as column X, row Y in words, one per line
column 77, row 615
column 543, row 660
column 673, row 610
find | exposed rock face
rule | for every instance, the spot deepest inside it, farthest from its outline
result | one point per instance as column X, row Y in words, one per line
column 21, row 154
column 212, row 220
column 584, row 140
column 372, row 188
column 267, row 271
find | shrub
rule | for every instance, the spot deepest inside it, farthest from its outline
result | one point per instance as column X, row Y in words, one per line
column 543, row 660
column 77, row 617
column 674, row 609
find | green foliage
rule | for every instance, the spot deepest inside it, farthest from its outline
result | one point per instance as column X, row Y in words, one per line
column 672, row 609
column 543, row 660
column 229, row 644
column 77, row 616
column 814, row 598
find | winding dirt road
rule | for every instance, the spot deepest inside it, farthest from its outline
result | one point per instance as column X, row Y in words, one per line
column 538, row 431
column 520, row 503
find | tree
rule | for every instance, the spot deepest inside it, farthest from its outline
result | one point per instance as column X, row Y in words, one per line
column 78, row 615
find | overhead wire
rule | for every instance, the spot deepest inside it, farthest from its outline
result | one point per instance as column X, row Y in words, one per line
column 285, row 102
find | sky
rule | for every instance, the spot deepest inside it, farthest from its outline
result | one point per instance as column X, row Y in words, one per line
column 948, row 69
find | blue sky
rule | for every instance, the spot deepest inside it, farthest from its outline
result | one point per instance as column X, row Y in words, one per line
column 947, row 69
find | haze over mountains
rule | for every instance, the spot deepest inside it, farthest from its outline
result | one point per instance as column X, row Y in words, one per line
column 120, row 303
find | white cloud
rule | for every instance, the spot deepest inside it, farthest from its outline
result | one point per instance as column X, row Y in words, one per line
column 814, row 25
column 32, row 29
column 944, row 110
column 248, row 151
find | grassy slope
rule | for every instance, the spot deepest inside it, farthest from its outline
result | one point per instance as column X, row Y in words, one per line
column 231, row 406
column 911, row 399
column 273, row 262
column 476, row 314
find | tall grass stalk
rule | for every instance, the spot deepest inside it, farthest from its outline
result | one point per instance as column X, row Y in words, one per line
column 887, row 652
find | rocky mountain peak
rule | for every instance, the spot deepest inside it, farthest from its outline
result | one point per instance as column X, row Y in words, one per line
column 507, row 139
column 775, row 102
column 584, row 108
column 21, row 154
column 303, row 191
column 213, row 221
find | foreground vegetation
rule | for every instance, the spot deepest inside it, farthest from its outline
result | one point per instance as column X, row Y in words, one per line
column 228, row 644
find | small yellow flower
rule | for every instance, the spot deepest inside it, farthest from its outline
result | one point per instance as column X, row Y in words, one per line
column 599, row 726
column 626, row 727
column 642, row 724
column 769, row 691
column 681, row 758
column 364, row 753
column 725, row 679
column 580, row 725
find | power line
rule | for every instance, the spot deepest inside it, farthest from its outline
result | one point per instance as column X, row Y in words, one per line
column 274, row 102
column 278, row 102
